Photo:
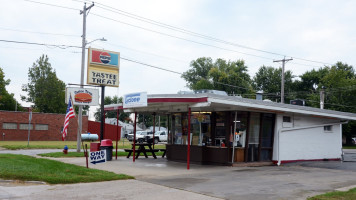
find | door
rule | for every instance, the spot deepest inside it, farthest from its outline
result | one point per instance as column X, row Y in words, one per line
column 260, row 137
column 267, row 130
column 253, row 140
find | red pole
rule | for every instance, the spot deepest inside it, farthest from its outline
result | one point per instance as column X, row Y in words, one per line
column 86, row 154
column 103, row 120
column 188, row 151
column 134, row 139
column 117, row 129
column 154, row 129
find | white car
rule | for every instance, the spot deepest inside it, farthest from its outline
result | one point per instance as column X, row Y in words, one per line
column 160, row 136
column 140, row 136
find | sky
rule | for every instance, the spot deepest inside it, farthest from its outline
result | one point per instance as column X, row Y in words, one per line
column 170, row 34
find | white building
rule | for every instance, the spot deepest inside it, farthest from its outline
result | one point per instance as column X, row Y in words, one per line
column 265, row 131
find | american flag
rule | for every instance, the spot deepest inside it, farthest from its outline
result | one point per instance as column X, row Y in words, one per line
column 69, row 114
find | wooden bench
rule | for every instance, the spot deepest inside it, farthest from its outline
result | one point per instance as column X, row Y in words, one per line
column 130, row 152
column 137, row 151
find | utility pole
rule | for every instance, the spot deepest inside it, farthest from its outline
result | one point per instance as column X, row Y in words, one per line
column 282, row 81
column 84, row 42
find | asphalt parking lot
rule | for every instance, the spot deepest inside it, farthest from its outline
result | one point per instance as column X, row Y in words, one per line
column 161, row 179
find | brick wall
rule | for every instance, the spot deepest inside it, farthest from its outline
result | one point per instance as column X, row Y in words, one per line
column 54, row 122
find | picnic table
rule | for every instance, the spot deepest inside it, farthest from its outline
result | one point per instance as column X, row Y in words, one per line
column 142, row 149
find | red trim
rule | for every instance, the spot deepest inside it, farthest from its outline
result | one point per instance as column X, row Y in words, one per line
column 114, row 108
column 166, row 100
column 177, row 100
column 291, row 161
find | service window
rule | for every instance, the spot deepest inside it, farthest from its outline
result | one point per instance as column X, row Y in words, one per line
column 287, row 119
column 328, row 128
column 287, row 122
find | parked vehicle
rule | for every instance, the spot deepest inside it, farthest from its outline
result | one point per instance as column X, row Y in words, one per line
column 163, row 136
column 160, row 136
column 140, row 136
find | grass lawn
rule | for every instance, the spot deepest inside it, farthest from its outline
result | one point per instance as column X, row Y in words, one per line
column 349, row 195
column 27, row 168
column 123, row 144
column 349, row 147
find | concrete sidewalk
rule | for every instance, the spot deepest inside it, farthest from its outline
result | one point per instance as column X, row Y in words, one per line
column 162, row 179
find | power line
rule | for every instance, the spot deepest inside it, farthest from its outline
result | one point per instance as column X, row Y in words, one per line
column 152, row 66
column 53, row 5
column 41, row 44
column 137, row 17
column 109, row 8
column 176, row 37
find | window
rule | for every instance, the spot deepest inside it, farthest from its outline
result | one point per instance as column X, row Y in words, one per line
column 25, row 126
column 41, row 127
column 9, row 125
column 328, row 128
column 287, row 119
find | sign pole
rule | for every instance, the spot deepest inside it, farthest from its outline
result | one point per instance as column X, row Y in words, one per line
column 188, row 150
column 102, row 113
column 117, row 130
column 29, row 126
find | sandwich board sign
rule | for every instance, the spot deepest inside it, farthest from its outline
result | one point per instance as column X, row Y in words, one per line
column 96, row 157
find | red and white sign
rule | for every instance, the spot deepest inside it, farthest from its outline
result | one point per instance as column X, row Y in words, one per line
column 83, row 96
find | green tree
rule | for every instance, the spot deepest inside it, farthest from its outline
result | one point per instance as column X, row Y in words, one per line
column 268, row 79
column 339, row 85
column 44, row 89
column 229, row 76
column 198, row 76
column 7, row 100
column 124, row 117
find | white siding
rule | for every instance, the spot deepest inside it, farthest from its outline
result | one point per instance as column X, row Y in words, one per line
column 306, row 143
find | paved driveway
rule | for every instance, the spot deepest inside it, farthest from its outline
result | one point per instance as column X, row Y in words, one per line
column 160, row 179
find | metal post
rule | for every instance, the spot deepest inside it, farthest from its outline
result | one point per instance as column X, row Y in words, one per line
column 102, row 112
column 134, row 143
column 233, row 140
column 117, row 129
column 29, row 126
column 154, row 129
column 86, row 154
column 188, row 150
column 80, row 114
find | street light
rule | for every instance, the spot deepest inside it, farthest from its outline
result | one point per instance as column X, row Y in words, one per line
column 101, row 39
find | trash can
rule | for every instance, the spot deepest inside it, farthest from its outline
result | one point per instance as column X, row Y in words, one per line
column 94, row 146
column 107, row 146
